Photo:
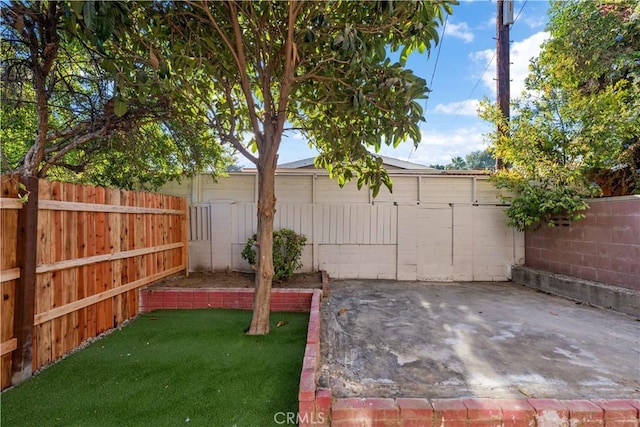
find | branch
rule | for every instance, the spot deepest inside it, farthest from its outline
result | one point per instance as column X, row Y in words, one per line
column 244, row 77
column 319, row 78
column 319, row 65
column 291, row 51
column 241, row 148
column 78, row 141
column 230, row 135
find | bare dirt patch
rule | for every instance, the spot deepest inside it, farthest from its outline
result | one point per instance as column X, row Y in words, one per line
column 235, row 279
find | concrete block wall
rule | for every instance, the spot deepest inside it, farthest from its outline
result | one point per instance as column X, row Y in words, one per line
column 431, row 228
column 358, row 261
column 604, row 247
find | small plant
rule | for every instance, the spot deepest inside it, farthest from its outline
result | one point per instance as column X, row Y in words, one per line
column 23, row 194
column 287, row 252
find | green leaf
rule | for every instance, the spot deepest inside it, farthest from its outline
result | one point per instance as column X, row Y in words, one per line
column 71, row 22
column 89, row 14
column 119, row 107
column 77, row 6
column 375, row 189
column 107, row 25
column 109, row 65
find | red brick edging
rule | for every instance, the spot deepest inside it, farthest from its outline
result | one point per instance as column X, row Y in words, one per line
column 484, row 412
column 297, row 300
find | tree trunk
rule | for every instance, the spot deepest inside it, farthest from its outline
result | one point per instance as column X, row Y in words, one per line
column 264, row 244
column 36, row 154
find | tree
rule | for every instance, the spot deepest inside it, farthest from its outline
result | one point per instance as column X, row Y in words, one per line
column 480, row 159
column 457, row 163
column 63, row 114
column 320, row 68
column 580, row 118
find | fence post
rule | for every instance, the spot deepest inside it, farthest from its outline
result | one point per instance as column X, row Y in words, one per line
column 26, row 285
column 184, row 235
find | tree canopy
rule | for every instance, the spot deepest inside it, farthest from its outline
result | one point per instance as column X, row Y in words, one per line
column 183, row 79
column 576, row 133
column 479, row 159
column 62, row 110
column 255, row 70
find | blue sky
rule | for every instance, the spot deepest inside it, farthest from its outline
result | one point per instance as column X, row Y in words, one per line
column 452, row 127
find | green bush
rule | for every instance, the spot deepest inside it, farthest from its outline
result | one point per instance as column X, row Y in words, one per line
column 287, row 252
column 533, row 204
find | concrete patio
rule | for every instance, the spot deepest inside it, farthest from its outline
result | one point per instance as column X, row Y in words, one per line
column 387, row 339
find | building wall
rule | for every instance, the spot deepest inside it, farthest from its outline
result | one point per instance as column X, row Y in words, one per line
column 603, row 247
column 432, row 227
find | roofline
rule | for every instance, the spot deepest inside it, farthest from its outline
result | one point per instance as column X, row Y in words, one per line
column 403, row 164
column 392, row 172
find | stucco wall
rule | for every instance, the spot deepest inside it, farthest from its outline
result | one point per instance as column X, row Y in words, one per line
column 603, row 247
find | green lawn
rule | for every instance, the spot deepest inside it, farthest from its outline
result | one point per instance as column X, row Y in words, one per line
column 170, row 368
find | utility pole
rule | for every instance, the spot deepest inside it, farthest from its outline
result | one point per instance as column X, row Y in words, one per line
column 504, row 18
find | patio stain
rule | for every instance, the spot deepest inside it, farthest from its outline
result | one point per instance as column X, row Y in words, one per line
column 473, row 340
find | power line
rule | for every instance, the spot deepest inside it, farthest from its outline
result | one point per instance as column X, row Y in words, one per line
column 519, row 12
column 435, row 66
column 455, row 114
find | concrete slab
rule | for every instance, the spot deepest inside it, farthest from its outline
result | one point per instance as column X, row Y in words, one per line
column 473, row 340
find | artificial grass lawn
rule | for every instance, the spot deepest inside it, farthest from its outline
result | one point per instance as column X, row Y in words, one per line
column 168, row 368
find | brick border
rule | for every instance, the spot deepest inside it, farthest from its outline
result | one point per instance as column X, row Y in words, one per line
column 314, row 404
column 296, row 300
column 417, row 412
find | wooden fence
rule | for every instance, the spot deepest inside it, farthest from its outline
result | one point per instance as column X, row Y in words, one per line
column 73, row 258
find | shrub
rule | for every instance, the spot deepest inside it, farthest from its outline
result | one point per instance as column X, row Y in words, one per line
column 287, row 252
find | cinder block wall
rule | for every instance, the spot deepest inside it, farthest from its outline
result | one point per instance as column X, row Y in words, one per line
column 603, row 247
column 433, row 227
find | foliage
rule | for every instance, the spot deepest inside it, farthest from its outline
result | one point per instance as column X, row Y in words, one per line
column 480, row 159
column 457, row 163
column 287, row 252
column 63, row 113
column 542, row 202
column 581, row 114
column 255, row 70
column 328, row 76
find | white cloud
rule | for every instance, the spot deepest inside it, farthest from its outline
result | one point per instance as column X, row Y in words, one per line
column 482, row 58
column 534, row 22
column 489, row 23
column 463, row 108
column 521, row 54
column 438, row 147
column 459, row 31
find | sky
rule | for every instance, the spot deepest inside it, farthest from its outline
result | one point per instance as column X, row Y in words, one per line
column 464, row 74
